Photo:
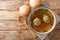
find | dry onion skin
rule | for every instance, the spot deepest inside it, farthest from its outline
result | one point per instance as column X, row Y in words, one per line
column 24, row 10
column 35, row 3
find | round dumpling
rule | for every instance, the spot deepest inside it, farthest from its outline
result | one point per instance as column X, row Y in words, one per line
column 37, row 21
column 46, row 19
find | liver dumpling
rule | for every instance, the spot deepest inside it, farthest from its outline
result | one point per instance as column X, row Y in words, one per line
column 37, row 21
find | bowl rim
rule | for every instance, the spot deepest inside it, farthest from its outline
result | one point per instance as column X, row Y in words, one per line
column 49, row 29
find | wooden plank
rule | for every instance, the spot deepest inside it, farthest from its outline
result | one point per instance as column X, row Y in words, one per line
column 9, row 15
column 9, row 35
column 10, row 4
column 53, row 4
column 16, row 35
column 11, row 26
column 54, row 35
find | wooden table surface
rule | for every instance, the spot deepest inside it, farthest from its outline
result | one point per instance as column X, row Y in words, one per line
column 12, row 29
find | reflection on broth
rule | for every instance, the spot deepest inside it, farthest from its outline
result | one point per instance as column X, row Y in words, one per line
column 41, row 20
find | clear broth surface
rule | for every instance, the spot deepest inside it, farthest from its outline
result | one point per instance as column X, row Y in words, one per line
column 44, row 26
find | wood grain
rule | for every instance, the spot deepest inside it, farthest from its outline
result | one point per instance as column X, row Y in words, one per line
column 12, row 29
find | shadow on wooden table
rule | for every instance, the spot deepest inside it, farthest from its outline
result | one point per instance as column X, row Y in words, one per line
column 55, row 34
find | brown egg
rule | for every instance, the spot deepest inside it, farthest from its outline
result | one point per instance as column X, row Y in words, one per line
column 24, row 10
column 35, row 3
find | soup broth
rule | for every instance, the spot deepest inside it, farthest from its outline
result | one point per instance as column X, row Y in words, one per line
column 43, row 27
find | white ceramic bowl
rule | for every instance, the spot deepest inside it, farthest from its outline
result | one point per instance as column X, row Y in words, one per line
column 55, row 20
